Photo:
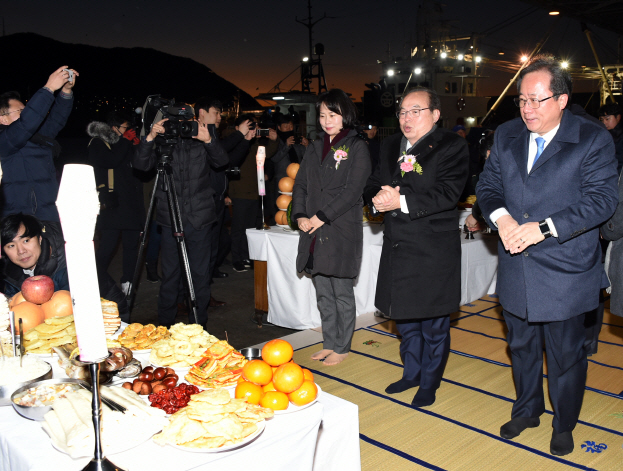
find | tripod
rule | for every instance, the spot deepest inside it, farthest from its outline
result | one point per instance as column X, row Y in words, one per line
column 164, row 173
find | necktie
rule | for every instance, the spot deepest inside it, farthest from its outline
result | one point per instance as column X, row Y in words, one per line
column 540, row 145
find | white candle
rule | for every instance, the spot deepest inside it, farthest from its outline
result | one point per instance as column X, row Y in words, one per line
column 259, row 160
column 78, row 207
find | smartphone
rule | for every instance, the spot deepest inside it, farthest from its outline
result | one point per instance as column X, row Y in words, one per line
column 71, row 74
column 262, row 132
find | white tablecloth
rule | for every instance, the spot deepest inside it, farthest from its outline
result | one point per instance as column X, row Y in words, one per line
column 325, row 436
column 292, row 296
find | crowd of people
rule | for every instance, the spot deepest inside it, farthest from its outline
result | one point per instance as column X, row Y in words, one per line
column 545, row 181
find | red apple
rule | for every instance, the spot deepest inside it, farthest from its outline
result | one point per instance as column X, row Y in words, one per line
column 38, row 289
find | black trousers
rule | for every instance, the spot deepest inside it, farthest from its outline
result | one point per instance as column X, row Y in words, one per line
column 219, row 204
column 245, row 216
column 424, row 349
column 106, row 250
column 198, row 246
column 566, row 367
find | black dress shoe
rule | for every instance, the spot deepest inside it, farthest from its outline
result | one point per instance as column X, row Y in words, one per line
column 215, row 303
column 400, row 386
column 152, row 272
column 515, row 426
column 239, row 267
column 561, row 444
column 424, row 397
column 220, row 274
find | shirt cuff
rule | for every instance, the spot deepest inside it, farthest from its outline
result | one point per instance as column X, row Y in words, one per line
column 403, row 204
column 497, row 214
column 552, row 228
column 67, row 96
column 48, row 89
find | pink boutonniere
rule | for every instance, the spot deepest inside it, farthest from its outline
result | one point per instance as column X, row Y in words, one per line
column 409, row 163
column 340, row 154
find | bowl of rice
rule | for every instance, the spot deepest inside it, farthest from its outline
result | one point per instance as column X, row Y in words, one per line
column 12, row 376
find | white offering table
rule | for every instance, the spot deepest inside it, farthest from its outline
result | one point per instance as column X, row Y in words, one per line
column 292, row 296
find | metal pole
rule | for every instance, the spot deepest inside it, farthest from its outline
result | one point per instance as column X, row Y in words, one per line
column 601, row 69
column 532, row 54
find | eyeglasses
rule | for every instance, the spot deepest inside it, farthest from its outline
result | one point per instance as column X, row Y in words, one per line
column 14, row 111
column 533, row 103
column 411, row 113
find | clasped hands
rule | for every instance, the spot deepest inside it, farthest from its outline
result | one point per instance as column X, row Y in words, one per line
column 387, row 199
column 516, row 238
column 309, row 224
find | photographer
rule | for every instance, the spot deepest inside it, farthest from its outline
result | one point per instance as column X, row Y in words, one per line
column 28, row 146
column 120, row 192
column 190, row 163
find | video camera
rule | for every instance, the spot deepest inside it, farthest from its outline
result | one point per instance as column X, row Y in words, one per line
column 180, row 124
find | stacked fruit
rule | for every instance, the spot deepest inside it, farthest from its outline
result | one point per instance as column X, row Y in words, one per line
column 284, row 201
column 37, row 301
column 275, row 381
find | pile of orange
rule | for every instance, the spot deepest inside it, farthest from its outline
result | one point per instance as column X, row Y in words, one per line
column 32, row 315
column 275, row 381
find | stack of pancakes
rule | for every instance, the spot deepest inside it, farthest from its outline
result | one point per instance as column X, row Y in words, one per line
column 112, row 322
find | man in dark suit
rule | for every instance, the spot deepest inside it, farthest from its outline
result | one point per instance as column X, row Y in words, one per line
column 550, row 181
column 417, row 183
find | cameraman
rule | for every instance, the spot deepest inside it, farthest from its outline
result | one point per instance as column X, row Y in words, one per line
column 190, row 164
column 28, row 146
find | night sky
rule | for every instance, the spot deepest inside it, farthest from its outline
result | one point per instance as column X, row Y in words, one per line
column 255, row 44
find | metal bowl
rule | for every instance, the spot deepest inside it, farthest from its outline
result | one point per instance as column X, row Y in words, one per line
column 251, row 353
column 7, row 390
column 37, row 412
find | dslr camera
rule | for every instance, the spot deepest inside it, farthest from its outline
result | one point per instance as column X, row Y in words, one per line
column 181, row 119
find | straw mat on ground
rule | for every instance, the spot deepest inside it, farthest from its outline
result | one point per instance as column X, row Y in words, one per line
column 461, row 430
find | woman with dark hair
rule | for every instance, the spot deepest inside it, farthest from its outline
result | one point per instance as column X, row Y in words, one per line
column 610, row 116
column 327, row 203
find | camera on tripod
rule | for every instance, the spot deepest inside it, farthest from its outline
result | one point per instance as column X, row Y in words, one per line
column 180, row 124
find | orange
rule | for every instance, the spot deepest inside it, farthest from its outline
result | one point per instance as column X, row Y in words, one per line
column 15, row 300
column 308, row 374
column 286, row 184
column 250, row 392
column 277, row 352
column 31, row 315
column 281, row 218
column 269, row 387
column 305, row 394
column 241, row 379
column 275, row 400
column 292, row 170
column 283, row 201
column 288, row 377
column 258, row 372
column 59, row 305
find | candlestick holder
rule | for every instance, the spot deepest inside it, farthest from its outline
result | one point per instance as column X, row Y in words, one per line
column 99, row 461
column 264, row 226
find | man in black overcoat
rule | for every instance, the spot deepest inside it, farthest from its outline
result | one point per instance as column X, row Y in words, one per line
column 417, row 183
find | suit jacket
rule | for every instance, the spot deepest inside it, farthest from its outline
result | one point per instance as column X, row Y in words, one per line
column 420, row 267
column 336, row 192
column 574, row 183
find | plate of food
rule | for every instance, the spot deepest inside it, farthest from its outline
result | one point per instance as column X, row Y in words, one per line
column 294, row 408
column 200, row 443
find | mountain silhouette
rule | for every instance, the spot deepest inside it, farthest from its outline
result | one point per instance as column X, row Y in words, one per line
column 110, row 78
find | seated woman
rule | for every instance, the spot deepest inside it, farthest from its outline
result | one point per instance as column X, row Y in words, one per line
column 32, row 248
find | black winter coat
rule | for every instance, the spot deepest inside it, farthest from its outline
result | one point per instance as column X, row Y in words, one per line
column 29, row 183
column 130, row 214
column 420, row 267
column 320, row 187
column 191, row 175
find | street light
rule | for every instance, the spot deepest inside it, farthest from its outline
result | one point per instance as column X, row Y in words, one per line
column 478, row 58
column 444, row 55
column 460, row 57
column 390, row 73
column 564, row 64
column 524, row 58
column 305, row 59
column 418, row 70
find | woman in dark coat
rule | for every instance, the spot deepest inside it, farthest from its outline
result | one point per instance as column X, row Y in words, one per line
column 328, row 206
column 122, row 212
column 421, row 174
